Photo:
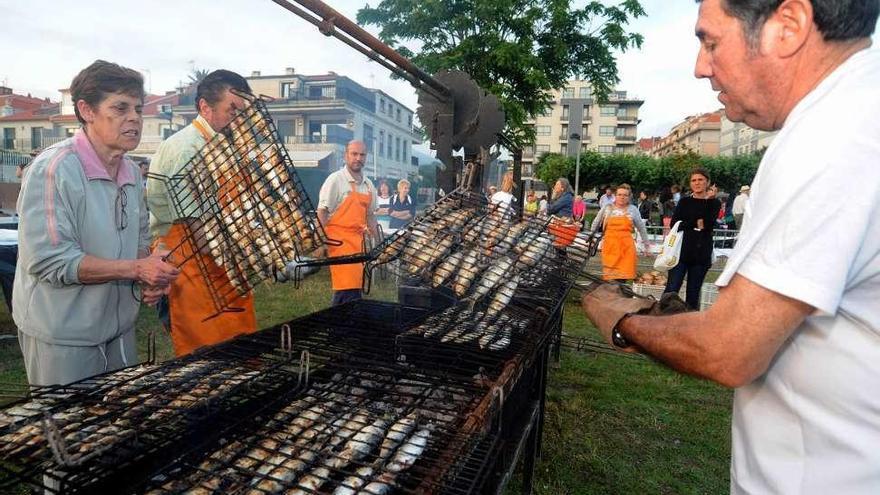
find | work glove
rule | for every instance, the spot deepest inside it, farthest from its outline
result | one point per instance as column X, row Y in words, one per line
column 290, row 272
column 607, row 305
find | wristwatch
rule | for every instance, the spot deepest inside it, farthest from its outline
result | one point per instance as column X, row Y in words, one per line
column 617, row 338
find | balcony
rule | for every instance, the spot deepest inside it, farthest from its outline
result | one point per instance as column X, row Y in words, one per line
column 627, row 120
column 26, row 145
column 626, row 139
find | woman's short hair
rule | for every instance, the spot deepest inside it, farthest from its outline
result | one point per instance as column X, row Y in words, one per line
column 403, row 181
column 624, row 186
column 101, row 79
column 700, row 171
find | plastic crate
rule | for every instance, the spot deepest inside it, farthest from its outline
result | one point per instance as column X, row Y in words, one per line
column 708, row 293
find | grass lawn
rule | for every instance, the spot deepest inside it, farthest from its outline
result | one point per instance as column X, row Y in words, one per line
column 614, row 425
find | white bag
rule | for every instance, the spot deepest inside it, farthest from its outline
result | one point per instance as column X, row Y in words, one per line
column 670, row 251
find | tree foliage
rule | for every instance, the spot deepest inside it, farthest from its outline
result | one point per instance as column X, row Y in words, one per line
column 517, row 49
column 644, row 172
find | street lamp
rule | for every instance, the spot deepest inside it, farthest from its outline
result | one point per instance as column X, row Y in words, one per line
column 577, row 161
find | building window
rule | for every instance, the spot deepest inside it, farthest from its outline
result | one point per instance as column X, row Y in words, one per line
column 381, row 105
column 397, row 150
column 584, row 92
column 547, row 112
column 540, row 149
column 381, row 143
column 606, row 149
column 586, row 112
column 368, row 137
column 621, row 112
column 564, row 111
column 564, row 133
column 606, row 130
column 288, row 90
column 563, row 148
column 620, row 131
column 584, row 131
column 403, row 151
column 409, row 120
column 390, row 145
column 568, row 93
column 398, row 114
column 607, row 110
column 542, row 130
column 620, row 149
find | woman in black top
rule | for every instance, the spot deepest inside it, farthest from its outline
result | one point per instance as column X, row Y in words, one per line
column 697, row 214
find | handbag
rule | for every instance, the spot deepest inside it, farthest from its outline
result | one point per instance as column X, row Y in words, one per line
column 670, row 251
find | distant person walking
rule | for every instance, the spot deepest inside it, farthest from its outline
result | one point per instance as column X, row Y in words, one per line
column 697, row 214
column 739, row 205
column 607, row 198
column 617, row 221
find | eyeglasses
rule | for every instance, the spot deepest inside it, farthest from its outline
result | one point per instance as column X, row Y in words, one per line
column 121, row 203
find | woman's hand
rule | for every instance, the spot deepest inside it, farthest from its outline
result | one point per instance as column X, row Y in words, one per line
column 153, row 271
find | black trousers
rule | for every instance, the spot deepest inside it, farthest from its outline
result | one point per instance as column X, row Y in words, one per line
column 695, row 273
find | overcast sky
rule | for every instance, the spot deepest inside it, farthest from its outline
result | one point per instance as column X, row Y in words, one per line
column 47, row 42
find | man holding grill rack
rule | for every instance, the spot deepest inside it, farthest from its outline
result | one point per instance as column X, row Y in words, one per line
column 796, row 326
column 345, row 208
column 189, row 302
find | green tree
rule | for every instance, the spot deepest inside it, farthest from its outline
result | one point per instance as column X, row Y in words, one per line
column 517, row 49
column 644, row 172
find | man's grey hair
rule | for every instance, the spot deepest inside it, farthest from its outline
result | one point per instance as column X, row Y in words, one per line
column 837, row 20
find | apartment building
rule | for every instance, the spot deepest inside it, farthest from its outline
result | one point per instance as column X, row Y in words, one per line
column 317, row 115
column 740, row 139
column 576, row 121
column 35, row 128
column 699, row 134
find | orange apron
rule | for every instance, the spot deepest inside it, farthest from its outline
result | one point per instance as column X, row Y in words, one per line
column 348, row 224
column 190, row 301
column 618, row 249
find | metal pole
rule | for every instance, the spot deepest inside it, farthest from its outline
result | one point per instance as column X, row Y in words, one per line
column 577, row 161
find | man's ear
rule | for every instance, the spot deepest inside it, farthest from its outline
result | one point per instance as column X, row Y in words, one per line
column 788, row 28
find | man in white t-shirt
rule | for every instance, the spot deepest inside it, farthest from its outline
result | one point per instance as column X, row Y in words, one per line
column 607, row 198
column 796, row 326
column 739, row 205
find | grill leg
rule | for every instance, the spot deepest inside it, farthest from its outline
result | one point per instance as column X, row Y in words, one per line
column 557, row 335
column 543, row 373
column 531, row 453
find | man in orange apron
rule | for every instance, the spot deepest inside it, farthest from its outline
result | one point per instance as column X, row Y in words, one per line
column 189, row 302
column 345, row 208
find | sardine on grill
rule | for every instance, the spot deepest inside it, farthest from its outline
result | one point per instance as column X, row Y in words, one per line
column 467, row 272
column 410, row 451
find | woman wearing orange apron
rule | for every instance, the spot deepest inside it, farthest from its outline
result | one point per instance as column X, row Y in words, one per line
column 618, row 246
column 192, row 308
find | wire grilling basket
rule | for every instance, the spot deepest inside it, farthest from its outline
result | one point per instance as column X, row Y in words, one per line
column 248, row 209
column 484, row 259
column 331, row 401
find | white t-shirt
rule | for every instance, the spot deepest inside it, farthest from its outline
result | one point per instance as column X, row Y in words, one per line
column 337, row 187
column 501, row 197
column 811, row 424
column 739, row 204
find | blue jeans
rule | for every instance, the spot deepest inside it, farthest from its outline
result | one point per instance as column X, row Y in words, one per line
column 695, row 276
column 344, row 296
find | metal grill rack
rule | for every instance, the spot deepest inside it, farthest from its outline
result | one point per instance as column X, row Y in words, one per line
column 251, row 213
column 205, row 420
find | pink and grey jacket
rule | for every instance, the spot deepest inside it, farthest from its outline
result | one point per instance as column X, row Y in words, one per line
column 69, row 206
